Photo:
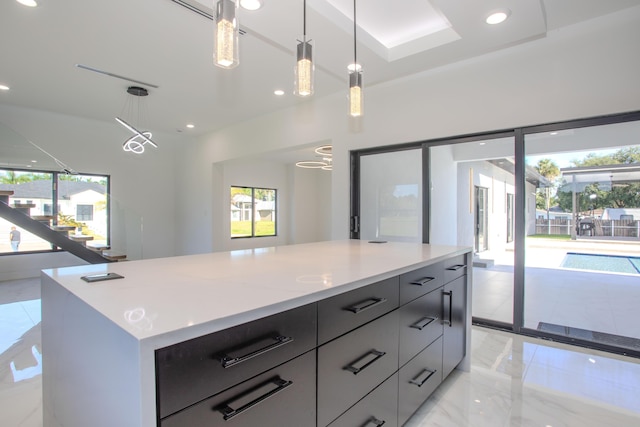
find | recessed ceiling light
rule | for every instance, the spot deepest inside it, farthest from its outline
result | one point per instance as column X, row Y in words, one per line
column 4, row 87
column 34, row 161
column 251, row 4
column 278, row 92
column 498, row 16
column 190, row 125
column 553, row 133
column 30, row 3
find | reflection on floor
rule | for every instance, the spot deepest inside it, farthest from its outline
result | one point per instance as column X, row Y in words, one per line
column 514, row 380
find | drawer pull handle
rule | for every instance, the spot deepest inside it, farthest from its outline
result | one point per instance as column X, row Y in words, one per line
column 228, row 412
column 421, row 378
column 423, row 281
column 228, row 361
column 450, row 321
column 422, row 323
column 373, row 421
column 456, row 267
column 366, row 360
column 366, row 304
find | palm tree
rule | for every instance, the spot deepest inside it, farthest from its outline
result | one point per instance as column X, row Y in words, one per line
column 550, row 170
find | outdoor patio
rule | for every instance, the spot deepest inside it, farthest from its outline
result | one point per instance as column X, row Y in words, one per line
column 603, row 302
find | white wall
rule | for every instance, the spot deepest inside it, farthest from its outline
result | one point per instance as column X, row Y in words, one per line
column 586, row 70
column 144, row 189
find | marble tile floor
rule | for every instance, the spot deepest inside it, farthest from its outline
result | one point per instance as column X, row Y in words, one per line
column 513, row 381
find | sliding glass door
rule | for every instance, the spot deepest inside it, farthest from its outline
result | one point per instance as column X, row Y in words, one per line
column 582, row 251
column 390, row 198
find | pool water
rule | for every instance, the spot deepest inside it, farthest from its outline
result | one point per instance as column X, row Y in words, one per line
column 597, row 262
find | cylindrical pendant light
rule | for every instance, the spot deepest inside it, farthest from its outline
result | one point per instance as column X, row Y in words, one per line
column 304, row 70
column 355, row 77
column 225, row 41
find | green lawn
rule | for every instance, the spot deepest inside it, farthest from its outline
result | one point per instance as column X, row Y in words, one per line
column 550, row 236
column 243, row 228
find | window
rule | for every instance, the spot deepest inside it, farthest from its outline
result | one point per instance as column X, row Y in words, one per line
column 253, row 212
column 84, row 213
column 78, row 200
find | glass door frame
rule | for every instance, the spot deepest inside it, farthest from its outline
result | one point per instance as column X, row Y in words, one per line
column 517, row 326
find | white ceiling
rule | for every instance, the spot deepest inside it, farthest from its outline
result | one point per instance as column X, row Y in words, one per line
column 161, row 43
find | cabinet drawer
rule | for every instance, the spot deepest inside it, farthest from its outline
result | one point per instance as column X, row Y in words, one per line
column 418, row 379
column 380, row 407
column 421, row 281
column 283, row 396
column 420, row 324
column 454, row 268
column 342, row 313
column 351, row 366
column 199, row 368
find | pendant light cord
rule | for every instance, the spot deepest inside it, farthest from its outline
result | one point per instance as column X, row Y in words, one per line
column 304, row 20
column 355, row 57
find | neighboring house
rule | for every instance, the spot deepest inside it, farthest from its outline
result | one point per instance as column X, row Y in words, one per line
column 82, row 201
column 621, row 213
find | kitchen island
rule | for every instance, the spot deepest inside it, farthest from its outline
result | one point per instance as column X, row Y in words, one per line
column 231, row 337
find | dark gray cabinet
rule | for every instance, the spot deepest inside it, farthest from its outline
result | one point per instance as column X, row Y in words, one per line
column 454, row 301
column 366, row 357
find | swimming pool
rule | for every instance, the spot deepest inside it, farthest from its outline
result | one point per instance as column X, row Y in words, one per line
column 598, row 262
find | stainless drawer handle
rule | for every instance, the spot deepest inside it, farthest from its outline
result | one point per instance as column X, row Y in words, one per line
column 366, row 304
column 229, row 361
column 228, row 412
column 422, row 323
column 366, row 360
column 423, row 281
column 421, row 378
column 456, row 267
column 450, row 295
column 373, row 421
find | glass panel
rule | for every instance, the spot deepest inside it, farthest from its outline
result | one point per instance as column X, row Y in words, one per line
column 582, row 260
column 241, row 212
column 82, row 203
column 476, row 180
column 391, row 196
column 30, row 193
column 265, row 212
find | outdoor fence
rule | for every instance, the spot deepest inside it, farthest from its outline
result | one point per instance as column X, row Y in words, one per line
column 592, row 227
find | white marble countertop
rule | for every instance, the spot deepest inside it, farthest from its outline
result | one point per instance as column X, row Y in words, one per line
column 223, row 289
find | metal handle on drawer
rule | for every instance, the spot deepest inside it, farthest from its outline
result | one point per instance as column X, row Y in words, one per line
column 228, row 412
column 422, row 323
column 228, row 361
column 419, row 380
column 366, row 304
column 374, row 421
column 450, row 295
column 456, row 267
column 364, row 361
column 423, row 281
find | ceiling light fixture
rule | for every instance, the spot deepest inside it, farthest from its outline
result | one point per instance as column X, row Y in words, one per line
column 278, row 92
column 190, row 125
column 324, row 151
column 4, row 87
column 355, row 77
column 136, row 143
column 251, row 4
column 29, row 3
column 304, row 66
column 225, row 41
column 498, row 16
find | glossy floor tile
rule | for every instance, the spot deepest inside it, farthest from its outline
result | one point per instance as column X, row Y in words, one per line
column 513, row 381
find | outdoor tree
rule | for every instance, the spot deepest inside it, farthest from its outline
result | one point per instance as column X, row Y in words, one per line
column 550, row 170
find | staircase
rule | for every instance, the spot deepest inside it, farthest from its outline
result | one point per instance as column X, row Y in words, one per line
column 58, row 236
